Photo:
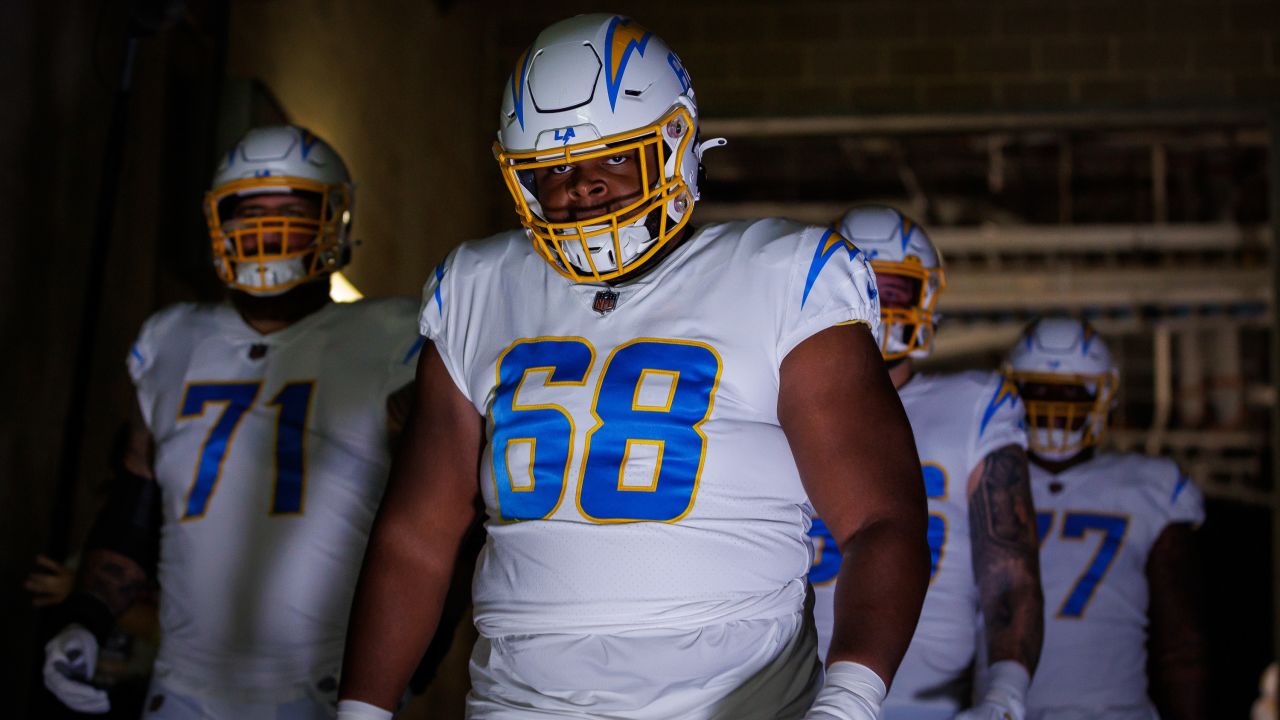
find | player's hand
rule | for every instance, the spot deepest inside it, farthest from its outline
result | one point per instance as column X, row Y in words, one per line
column 991, row 709
column 1005, row 697
column 69, row 659
column 49, row 583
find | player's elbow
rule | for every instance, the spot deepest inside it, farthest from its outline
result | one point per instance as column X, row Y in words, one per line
column 900, row 535
column 422, row 546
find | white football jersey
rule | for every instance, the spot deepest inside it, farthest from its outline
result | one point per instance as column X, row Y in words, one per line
column 272, row 454
column 636, row 475
column 1097, row 522
column 957, row 421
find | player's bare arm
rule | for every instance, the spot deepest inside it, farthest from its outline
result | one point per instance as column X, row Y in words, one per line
column 429, row 506
column 122, row 543
column 1006, row 557
column 1177, row 647
column 857, row 458
column 107, row 574
column 399, row 403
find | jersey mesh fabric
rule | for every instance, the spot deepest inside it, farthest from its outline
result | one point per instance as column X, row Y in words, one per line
column 705, row 331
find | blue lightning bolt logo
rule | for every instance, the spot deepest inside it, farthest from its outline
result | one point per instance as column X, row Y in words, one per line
column 830, row 242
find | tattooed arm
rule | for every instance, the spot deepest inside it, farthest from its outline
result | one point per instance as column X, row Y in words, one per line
column 1006, row 562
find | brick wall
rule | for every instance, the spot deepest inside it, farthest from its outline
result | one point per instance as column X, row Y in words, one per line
column 877, row 56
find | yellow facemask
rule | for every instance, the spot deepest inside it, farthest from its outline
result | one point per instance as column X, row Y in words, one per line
column 658, row 189
column 897, row 342
column 1061, row 428
column 237, row 242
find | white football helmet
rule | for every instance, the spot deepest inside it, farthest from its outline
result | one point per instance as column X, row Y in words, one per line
column 593, row 86
column 1069, row 355
column 895, row 245
column 279, row 159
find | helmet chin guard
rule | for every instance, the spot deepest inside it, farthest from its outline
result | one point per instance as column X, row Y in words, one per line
column 896, row 245
column 270, row 277
column 591, row 87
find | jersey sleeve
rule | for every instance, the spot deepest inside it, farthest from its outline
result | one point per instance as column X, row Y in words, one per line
column 405, row 342
column 1183, row 500
column 1001, row 418
column 436, row 317
column 831, row 284
column 144, row 353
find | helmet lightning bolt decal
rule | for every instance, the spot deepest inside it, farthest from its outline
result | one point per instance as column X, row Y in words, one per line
column 308, row 142
column 907, row 228
column 827, row 246
column 623, row 37
column 517, row 83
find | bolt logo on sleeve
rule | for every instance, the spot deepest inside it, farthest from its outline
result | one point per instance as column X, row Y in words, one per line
column 831, row 242
column 1006, row 393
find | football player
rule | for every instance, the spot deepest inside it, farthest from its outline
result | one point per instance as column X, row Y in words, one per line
column 1117, row 545
column 655, row 403
column 258, row 454
column 970, row 434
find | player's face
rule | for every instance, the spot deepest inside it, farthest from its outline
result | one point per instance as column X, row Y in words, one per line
column 1058, row 393
column 897, row 291
column 590, row 188
column 287, row 205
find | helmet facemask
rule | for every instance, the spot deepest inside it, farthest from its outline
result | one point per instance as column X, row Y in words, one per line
column 263, row 255
column 909, row 331
column 612, row 244
column 1066, row 413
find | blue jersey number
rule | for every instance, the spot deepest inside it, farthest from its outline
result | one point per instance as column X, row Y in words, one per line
column 294, row 401
column 532, row 442
column 935, row 488
column 1075, row 526
column 826, row 554
column 826, row 559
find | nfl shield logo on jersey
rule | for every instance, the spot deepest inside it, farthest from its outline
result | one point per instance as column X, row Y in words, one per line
column 605, row 302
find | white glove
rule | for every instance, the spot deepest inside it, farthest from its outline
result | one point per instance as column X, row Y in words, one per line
column 1006, row 694
column 851, row 691
column 356, row 710
column 69, row 659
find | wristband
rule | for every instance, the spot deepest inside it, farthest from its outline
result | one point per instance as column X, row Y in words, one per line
column 851, row 691
column 1007, row 679
column 356, row 710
